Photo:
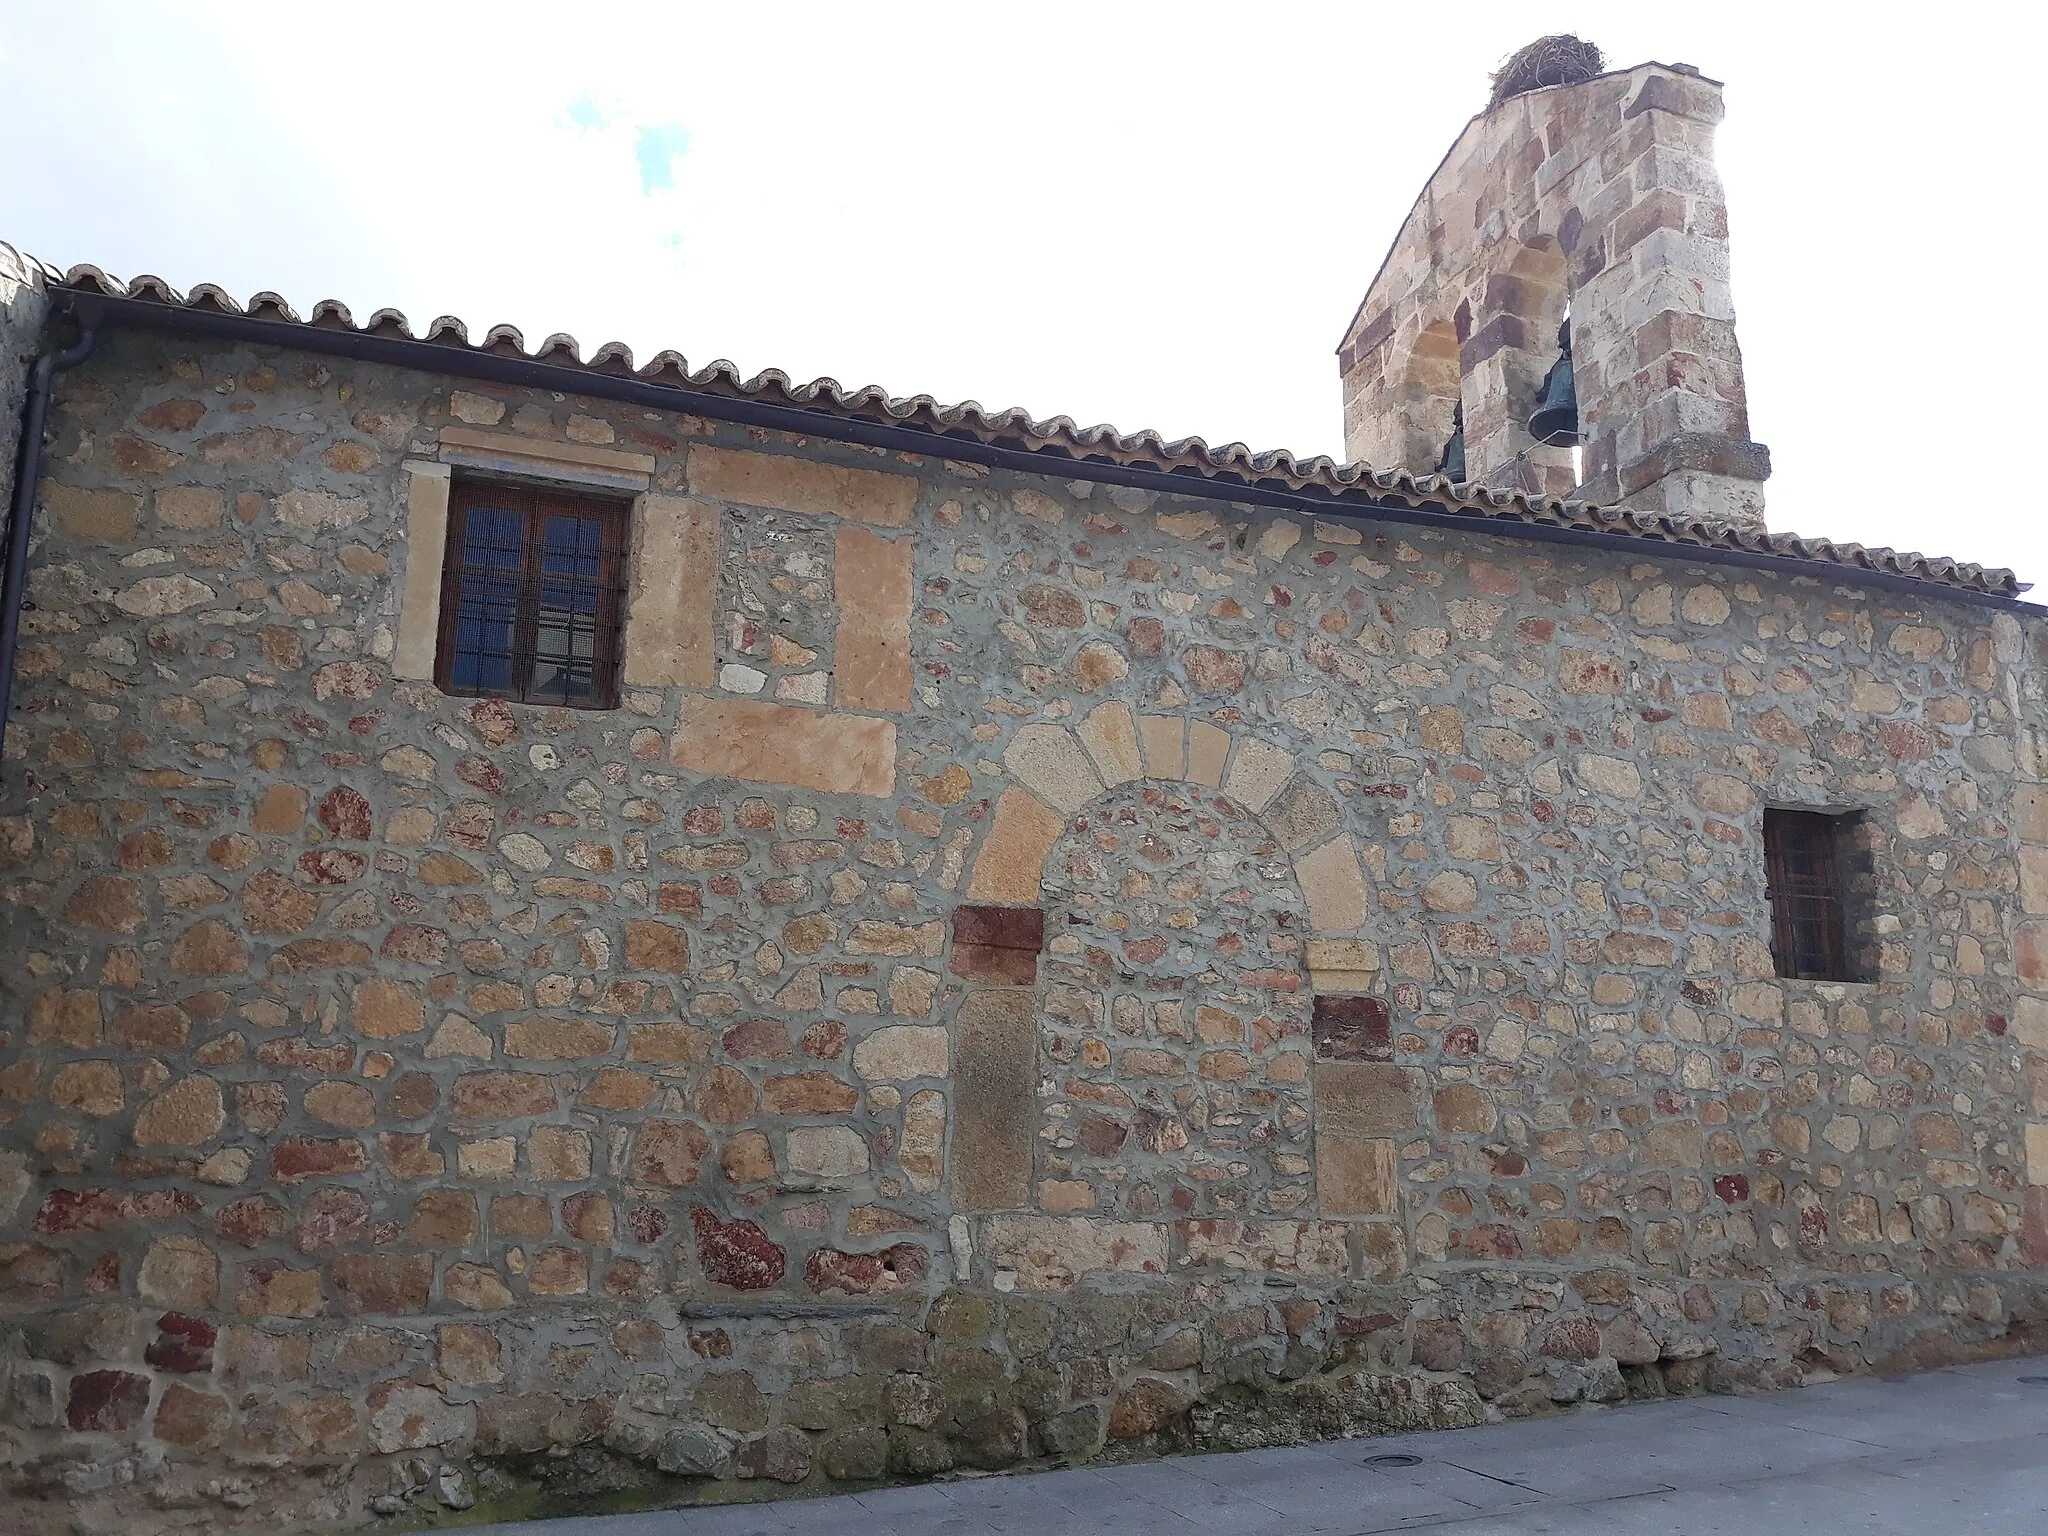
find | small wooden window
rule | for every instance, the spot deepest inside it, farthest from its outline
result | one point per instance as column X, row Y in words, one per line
column 1806, row 858
column 532, row 596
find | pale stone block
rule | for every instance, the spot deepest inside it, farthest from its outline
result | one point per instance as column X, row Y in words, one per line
column 1615, row 776
column 1012, row 859
column 1052, row 1253
column 2030, row 1023
column 995, row 1116
column 784, row 744
column 2033, row 879
column 1164, row 738
column 2030, row 811
column 1257, row 772
column 793, row 484
column 674, row 583
column 1334, row 887
column 1342, row 965
column 871, row 581
column 1048, row 760
column 2037, row 1154
column 426, row 548
column 1110, row 733
column 541, row 453
column 1208, row 750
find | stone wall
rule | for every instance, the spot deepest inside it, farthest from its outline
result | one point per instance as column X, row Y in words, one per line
column 1031, row 970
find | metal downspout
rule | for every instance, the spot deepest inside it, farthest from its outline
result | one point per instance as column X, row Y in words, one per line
column 21, row 511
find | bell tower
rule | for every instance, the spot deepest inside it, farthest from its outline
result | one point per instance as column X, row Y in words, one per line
column 1558, row 298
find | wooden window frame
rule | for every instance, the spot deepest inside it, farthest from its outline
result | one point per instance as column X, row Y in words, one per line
column 537, row 504
column 1806, row 869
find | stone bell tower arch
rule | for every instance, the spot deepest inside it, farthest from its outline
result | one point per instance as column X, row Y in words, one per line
column 1597, row 190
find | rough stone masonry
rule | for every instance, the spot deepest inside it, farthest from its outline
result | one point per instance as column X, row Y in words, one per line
column 1033, row 968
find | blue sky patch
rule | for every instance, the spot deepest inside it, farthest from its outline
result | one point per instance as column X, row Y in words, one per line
column 656, row 148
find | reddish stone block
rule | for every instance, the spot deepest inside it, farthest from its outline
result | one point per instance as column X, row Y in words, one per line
column 89, row 1210
column 183, row 1344
column 1000, row 927
column 502, row 1095
column 306, row 1157
column 736, row 1253
column 346, row 815
column 107, row 1400
column 861, row 1274
column 1572, row 1338
column 1352, row 1029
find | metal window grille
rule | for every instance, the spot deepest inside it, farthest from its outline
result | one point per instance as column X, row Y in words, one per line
column 532, row 596
column 1804, row 866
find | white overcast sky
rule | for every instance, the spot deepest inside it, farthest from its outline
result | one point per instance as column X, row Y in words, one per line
column 1152, row 215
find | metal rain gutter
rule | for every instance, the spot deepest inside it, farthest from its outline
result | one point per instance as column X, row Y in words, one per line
column 460, row 360
column 21, row 510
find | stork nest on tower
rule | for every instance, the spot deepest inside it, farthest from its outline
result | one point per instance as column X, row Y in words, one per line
column 1559, row 59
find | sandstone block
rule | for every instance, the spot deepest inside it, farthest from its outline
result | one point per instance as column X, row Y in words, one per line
column 871, row 580
column 546, row 1039
column 1257, row 773
column 189, row 1113
column 1110, row 735
column 784, row 744
column 826, row 1151
column 180, row 1272
column 671, row 605
column 1011, row 863
column 1164, row 739
column 1333, row 885
column 1049, row 761
column 994, row 1091
column 793, row 484
column 901, row 1052
column 1208, row 751
column 1054, row 1253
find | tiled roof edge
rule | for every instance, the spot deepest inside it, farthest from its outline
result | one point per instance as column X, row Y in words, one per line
column 1016, row 427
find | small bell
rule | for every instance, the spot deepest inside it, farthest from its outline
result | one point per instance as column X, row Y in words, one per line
column 1556, row 422
column 1452, row 465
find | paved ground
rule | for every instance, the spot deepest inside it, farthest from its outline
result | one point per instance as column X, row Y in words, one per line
column 1937, row 1454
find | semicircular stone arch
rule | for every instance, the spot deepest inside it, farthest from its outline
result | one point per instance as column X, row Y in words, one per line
column 1059, row 768
column 1007, row 1156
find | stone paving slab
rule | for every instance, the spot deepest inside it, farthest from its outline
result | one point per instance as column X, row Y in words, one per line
column 1961, row 1452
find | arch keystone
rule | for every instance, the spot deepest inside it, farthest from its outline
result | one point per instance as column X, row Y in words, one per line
column 1208, row 751
column 1165, row 739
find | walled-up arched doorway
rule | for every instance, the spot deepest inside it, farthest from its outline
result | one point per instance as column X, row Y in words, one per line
column 1172, row 1012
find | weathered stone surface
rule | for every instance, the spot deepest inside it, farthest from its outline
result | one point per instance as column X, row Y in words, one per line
column 782, row 744
column 1012, row 857
column 1048, row 1253
column 995, row 1120
column 796, row 484
column 872, row 581
column 187, row 1114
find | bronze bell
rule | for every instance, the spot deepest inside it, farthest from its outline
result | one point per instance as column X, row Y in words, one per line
column 1556, row 422
column 1452, row 464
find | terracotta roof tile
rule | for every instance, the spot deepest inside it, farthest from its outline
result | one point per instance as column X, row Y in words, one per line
column 1016, row 427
